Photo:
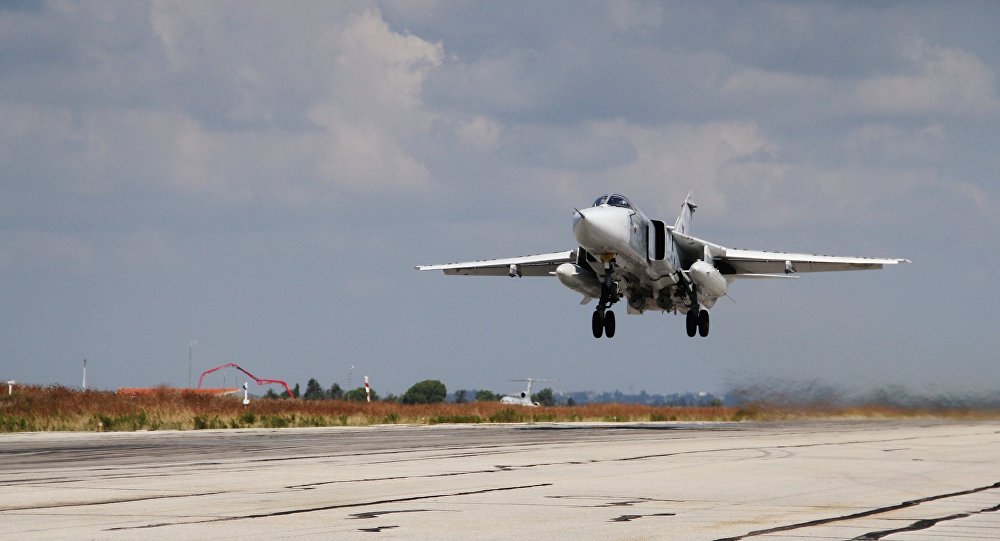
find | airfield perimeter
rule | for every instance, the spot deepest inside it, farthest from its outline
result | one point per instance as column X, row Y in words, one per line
column 892, row 479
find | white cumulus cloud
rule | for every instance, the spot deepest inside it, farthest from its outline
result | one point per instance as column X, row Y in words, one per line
column 939, row 80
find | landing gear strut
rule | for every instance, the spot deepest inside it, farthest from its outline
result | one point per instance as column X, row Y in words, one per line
column 603, row 320
column 697, row 319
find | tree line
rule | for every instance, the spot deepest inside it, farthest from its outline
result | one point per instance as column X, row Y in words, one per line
column 428, row 391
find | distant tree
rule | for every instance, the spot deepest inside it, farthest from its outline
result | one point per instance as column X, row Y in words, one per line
column 429, row 391
column 570, row 401
column 335, row 392
column 544, row 397
column 358, row 395
column 271, row 395
column 314, row 391
column 390, row 398
column 484, row 395
column 461, row 396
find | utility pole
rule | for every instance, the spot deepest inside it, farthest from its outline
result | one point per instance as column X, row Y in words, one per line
column 191, row 345
column 85, row 374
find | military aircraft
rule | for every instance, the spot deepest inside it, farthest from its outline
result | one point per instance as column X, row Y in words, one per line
column 622, row 254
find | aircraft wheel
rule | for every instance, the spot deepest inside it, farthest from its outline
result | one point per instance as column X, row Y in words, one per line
column 597, row 324
column 703, row 323
column 609, row 324
column 692, row 322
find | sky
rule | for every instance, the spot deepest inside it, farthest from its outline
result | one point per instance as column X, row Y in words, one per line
column 261, row 178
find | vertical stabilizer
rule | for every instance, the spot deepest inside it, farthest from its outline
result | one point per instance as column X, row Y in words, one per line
column 683, row 223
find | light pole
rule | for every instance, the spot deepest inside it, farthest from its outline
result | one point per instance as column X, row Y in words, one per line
column 191, row 345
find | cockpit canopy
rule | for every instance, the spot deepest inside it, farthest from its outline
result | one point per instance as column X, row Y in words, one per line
column 615, row 200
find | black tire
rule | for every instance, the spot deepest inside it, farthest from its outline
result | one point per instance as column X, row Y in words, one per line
column 692, row 323
column 703, row 323
column 609, row 324
column 597, row 324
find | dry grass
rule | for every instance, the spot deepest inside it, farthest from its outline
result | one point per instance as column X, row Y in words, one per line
column 64, row 409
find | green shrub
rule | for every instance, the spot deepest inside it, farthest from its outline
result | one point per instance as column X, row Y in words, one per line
column 273, row 421
column 14, row 424
column 745, row 413
column 202, row 422
column 506, row 415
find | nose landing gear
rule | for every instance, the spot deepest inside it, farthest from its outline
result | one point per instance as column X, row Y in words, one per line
column 603, row 320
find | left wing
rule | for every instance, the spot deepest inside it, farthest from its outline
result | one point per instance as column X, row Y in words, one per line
column 758, row 263
column 530, row 265
column 748, row 262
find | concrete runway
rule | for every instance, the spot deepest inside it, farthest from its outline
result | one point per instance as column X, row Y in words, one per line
column 893, row 480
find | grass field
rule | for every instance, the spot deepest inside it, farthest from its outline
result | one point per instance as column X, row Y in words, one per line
column 56, row 408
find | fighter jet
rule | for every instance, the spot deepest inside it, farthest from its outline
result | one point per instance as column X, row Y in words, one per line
column 624, row 255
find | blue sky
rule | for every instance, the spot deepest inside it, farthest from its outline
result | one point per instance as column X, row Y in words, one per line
column 261, row 178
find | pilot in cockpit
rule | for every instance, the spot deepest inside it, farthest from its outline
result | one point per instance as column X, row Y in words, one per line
column 613, row 200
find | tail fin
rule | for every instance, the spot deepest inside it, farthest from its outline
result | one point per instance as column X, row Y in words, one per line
column 683, row 223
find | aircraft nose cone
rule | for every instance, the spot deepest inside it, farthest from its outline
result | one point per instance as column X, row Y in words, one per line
column 601, row 229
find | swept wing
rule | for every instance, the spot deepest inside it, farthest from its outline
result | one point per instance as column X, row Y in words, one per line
column 529, row 265
column 756, row 263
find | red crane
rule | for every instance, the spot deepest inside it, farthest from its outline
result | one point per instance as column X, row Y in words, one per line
column 259, row 381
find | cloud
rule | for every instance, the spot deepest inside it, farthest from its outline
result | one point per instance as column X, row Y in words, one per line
column 481, row 133
column 670, row 160
column 987, row 204
column 738, row 172
column 887, row 143
column 362, row 112
column 335, row 109
column 632, row 15
column 754, row 84
column 941, row 80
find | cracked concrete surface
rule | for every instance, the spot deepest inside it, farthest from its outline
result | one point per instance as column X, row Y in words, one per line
column 864, row 480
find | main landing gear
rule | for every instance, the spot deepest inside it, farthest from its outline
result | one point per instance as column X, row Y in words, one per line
column 603, row 320
column 697, row 322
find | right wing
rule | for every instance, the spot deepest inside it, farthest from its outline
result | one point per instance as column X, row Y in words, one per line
column 530, row 265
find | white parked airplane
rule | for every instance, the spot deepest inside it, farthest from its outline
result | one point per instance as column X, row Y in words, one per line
column 653, row 266
column 524, row 399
